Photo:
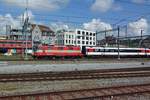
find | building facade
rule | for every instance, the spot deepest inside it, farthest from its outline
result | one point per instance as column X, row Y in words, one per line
column 43, row 34
column 37, row 33
column 78, row 37
column 85, row 38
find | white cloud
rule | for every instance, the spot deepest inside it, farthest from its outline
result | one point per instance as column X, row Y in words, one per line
column 39, row 4
column 102, row 5
column 16, row 22
column 96, row 25
column 8, row 20
column 59, row 26
column 136, row 27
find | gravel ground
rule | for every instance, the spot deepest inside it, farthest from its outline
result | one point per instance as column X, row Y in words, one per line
column 67, row 67
column 30, row 87
column 143, row 96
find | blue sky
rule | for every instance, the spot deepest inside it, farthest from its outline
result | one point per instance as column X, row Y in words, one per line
column 78, row 12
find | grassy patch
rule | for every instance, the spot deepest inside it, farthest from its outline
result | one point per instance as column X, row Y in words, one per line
column 8, row 87
column 13, row 57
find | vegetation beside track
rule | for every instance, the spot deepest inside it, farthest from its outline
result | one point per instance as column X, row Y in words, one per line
column 18, row 59
column 14, row 57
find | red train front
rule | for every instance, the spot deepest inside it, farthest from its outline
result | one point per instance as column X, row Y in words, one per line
column 57, row 51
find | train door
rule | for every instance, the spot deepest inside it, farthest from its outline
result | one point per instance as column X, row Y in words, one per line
column 84, row 50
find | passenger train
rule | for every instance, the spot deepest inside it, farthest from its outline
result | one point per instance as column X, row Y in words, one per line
column 114, row 51
column 76, row 51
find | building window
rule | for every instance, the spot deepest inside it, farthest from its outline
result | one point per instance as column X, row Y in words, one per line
column 83, row 42
column 87, row 38
column 90, row 38
column 66, row 41
column 93, row 34
column 94, row 39
column 83, row 33
column 87, row 33
column 67, row 36
column 83, row 37
column 90, row 34
column 87, row 43
column 78, row 32
column 78, row 42
column 78, row 37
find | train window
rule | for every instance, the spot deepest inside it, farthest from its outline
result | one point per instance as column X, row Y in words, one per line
column 112, row 50
column 96, row 50
column 122, row 50
column 101, row 50
column 125, row 50
column 134, row 50
column 106, row 50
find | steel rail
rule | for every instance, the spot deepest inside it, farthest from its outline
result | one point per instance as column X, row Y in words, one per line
column 73, row 75
column 83, row 93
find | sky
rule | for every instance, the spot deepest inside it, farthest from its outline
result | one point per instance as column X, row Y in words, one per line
column 93, row 15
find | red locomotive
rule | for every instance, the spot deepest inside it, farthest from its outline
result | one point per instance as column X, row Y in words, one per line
column 57, row 51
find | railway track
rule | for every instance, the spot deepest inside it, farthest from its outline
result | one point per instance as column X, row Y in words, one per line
column 73, row 75
column 83, row 94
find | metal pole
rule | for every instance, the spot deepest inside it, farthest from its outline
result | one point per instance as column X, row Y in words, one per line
column 23, row 37
column 26, row 30
column 140, row 43
column 96, row 39
column 26, row 56
column 118, row 42
column 126, row 35
column 105, row 37
column 141, row 34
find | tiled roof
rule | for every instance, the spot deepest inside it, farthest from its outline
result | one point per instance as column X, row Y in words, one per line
column 42, row 28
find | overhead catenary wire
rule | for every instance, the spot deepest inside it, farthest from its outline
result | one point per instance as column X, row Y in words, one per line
column 46, row 18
